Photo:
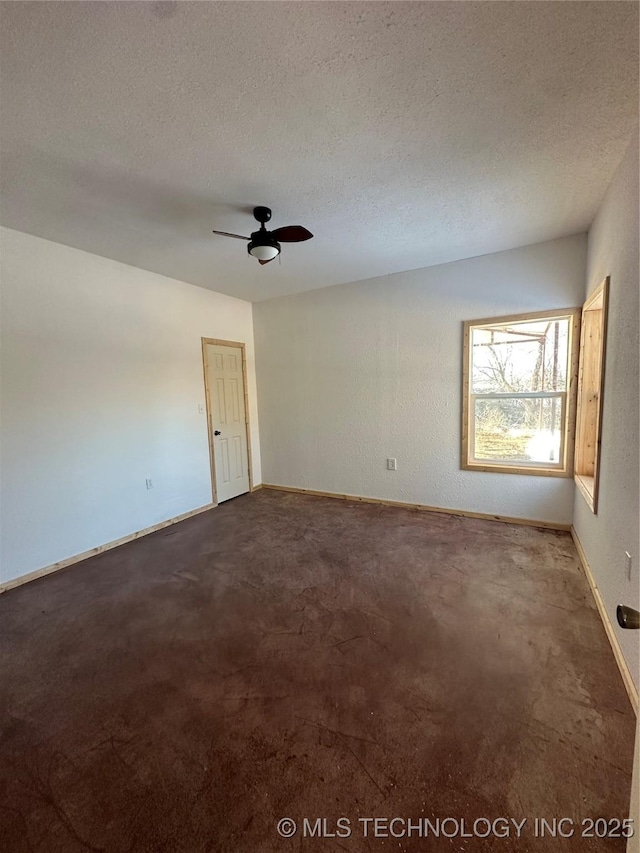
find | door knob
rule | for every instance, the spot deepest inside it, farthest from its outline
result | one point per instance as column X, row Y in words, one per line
column 627, row 617
column 217, row 432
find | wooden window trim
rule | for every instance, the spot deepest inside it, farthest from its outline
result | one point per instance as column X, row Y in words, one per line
column 589, row 486
column 569, row 415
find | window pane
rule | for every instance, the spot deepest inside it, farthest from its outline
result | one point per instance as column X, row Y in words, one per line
column 520, row 357
column 518, row 430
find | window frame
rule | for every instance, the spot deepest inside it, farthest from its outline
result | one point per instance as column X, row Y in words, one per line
column 588, row 485
column 569, row 397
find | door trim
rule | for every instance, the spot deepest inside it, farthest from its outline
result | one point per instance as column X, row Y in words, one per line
column 212, row 458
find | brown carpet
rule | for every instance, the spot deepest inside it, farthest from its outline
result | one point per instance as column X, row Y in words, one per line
column 289, row 655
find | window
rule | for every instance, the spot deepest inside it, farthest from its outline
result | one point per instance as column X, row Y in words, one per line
column 519, row 388
column 590, row 394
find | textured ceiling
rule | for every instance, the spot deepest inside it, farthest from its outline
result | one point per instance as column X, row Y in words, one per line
column 401, row 134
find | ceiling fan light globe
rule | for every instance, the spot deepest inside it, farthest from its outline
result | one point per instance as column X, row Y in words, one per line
column 264, row 252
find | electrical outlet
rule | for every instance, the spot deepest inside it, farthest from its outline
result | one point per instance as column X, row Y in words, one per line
column 392, row 465
column 148, row 483
column 627, row 565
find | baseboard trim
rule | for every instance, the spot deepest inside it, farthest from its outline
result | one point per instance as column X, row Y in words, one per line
column 632, row 690
column 255, row 488
column 505, row 519
column 69, row 561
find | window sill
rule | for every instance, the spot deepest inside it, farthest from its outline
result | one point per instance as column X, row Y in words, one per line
column 587, row 488
column 529, row 471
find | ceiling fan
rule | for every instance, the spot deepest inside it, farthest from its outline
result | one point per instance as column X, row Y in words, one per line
column 265, row 245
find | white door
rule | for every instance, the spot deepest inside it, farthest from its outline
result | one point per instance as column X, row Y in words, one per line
column 228, row 422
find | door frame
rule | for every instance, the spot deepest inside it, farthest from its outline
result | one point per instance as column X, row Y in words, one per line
column 207, row 388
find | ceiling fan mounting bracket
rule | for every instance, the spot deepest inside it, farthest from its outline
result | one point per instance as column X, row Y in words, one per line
column 262, row 214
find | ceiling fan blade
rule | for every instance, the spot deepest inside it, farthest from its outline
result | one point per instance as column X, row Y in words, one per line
column 226, row 234
column 291, row 234
column 266, row 262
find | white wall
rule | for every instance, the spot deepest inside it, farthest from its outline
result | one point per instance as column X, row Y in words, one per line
column 101, row 381
column 613, row 250
column 350, row 375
